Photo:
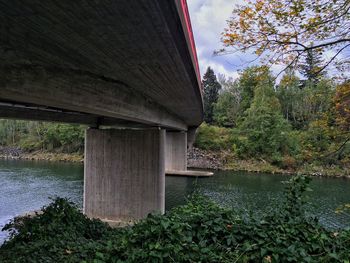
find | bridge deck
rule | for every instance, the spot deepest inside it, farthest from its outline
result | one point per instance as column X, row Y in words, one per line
column 141, row 51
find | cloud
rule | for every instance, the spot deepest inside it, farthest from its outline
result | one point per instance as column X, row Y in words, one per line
column 208, row 19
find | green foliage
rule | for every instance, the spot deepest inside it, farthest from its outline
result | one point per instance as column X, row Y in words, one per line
column 249, row 80
column 342, row 106
column 312, row 66
column 265, row 129
column 304, row 104
column 70, row 137
column 199, row 231
column 226, row 110
column 11, row 131
column 292, row 124
column 211, row 92
column 30, row 136
column 212, row 138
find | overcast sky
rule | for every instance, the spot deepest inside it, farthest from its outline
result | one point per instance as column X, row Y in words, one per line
column 208, row 19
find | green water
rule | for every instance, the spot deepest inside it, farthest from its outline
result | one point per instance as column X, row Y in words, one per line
column 27, row 185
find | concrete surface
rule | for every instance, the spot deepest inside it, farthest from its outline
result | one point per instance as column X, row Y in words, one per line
column 128, row 60
column 176, row 151
column 124, row 173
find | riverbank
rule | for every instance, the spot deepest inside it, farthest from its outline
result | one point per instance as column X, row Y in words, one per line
column 225, row 160
column 15, row 153
column 197, row 158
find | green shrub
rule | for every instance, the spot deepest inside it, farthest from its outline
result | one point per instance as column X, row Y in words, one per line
column 199, row 231
column 213, row 138
column 69, row 137
column 265, row 128
column 34, row 135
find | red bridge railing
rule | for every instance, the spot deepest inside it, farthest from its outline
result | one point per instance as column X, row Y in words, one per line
column 187, row 21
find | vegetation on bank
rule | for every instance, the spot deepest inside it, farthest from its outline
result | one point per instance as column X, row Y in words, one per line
column 33, row 136
column 292, row 125
column 200, row 231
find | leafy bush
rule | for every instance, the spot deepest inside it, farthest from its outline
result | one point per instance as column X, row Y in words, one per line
column 265, row 128
column 34, row 135
column 69, row 137
column 200, row 231
column 213, row 138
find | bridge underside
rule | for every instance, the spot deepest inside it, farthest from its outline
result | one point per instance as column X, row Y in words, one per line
column 129, row 66
column 129, row 60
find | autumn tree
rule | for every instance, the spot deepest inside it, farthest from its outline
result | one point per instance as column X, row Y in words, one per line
column 342, row 106
column 211, row 92
column 283, row 31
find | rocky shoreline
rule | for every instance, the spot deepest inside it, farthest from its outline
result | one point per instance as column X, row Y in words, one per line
column 10, row 152
column 196, row 158
column 15, row 153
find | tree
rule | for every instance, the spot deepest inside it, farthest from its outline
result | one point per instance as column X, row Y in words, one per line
column 265, row 128
column 211, row 92
column 226, row 110
column 249, row 80
column 282, row 31
column 312, row 66
column 342, row 106
column 302, row 105
column 34, row 135
column 290, row 96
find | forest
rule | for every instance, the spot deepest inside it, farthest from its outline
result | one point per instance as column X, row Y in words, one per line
column 303, row 119
column 42, row 136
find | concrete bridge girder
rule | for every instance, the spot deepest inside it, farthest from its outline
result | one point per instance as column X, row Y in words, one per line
column 82, row 99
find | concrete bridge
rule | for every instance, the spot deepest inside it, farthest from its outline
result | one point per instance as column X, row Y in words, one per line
column 126, row 68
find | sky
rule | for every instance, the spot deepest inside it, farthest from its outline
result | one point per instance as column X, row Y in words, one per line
column 208, row 18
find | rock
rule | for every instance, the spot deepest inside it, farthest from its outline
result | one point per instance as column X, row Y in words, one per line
column 10, row 152
column 197, row 158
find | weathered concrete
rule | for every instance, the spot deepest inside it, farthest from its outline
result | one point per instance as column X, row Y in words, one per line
column 76, row 91
column 124, row 173
column 13, row 111
column 176, row 151
column 191, row 137
column 129, row 60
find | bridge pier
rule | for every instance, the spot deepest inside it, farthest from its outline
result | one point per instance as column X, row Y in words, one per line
column 191, row 137
column 176, row 151
column 177, row 143
column 124, row 177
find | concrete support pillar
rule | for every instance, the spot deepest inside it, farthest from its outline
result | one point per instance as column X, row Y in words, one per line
column 124, row 176
column 176, row 151
column 191, row 137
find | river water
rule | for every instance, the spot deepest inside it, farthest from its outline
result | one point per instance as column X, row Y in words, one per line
column 28, row 185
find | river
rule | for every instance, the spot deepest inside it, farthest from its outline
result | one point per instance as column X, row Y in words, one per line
column 27, row 185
